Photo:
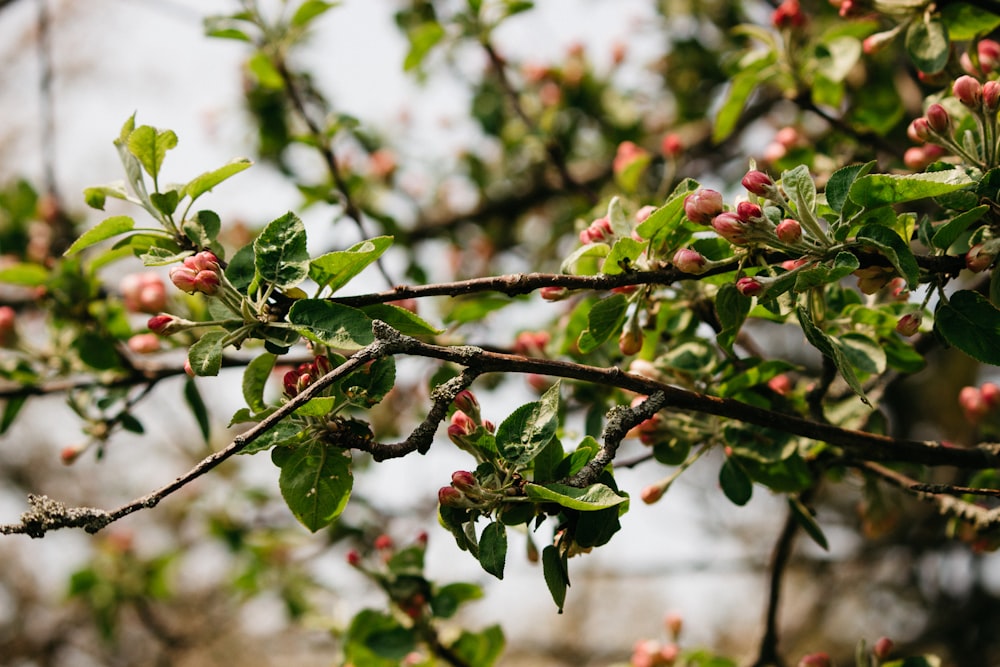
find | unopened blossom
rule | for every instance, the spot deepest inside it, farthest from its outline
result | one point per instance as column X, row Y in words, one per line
column 758, row 183
column 909, row 324
column 689, row 261
column 788, row 15
column 938, row 118
column 143, row 292
column 789, row 231
column 627, row 154
column 979, row 258
column 144, row 343
column 968, row 91
column 671, row 145
column 749, row 286
column 731, row 228
column 702, row 205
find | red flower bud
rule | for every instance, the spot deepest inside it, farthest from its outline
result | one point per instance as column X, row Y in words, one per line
column 909, row 324
column 689, row 261
column 991, row 96
column 466, row 402
column 788, row 15
column 383, row 542
column 184, row 279
column 974, row 407
column 749, row 212
column 748, row 286
column 789, row 231
column 651, row 493
column 882, row 648
column 143, row 293
column 991, row 394
column 938, row 118
column 758, row 183
column 353, row 558
column 815, row 660
column 780, row 384
column 643, row 213
column 449, row 496
column 671, row 145
column 463, row 480
column 968, row 91
column 989, row 55
column 552, row 293
column 979, row 259
column 71, row 453
column 730, row 227
column 163, row 324
column 702, row 205
column 8, row 326
column 628, row 153
column 919, row 130
column 203, row 261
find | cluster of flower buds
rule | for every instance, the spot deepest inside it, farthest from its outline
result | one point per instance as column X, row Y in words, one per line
column 465, row 491
column 978, row 402
column 297, row 379
column 788, row 15
column 651, row 653
column 199, row 273
column 144, row 292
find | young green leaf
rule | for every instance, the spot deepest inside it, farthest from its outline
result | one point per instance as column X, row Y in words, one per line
column 25, row 274
column 482, row 649
column 96, row 196
column 309, row 11
column 825, row 344
column 493, row 548
column 447, row 599
column 107, row 228
column 840, row 183
column 255, row 379
column 335, row 269
column 556, row 572
column 402, row 320
column 529, row 428
column 205, row 356
column 732, row 309
column 949, row 232
column 604, row 321
column 927, row 43
column 280, row 253
column 884, row 189
column 316, row 482
column 341, row 327
column 199, row 185
column 150, row 146
column 590, row 499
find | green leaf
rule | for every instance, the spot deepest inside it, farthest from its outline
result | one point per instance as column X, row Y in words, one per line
column 584, row 260
column 740, row 88
column 335, row 269
column 822, row 342
column 309, row 10
column 840, row 183
column 798, row 184
column 732, row 309
column 205, row 356
column 665, row 220
column 885, row 189
column 197, row 406
column 10, row 410
column 165, row 202
column 915, row 661
column 529, row 428
column 402, row 320
column 844, row 264
column 107, row 228
column 255, row 379
column 604, row 321
column 150, row 146
column 807, row 522
column 376, row 639
column 895, row 249
column 735, row 482
column 482, row 649
column 949, row 232
column 24, row 273
column 556, row 572
column 280, row 254
column 283, row 435
column 966, row 21
column 423, row 38
column 446, row 600
column 862, row 352
column 319, row 406
column 96, row 350
column 341, row 327
column 595, row 529
column 96, row 196
column 623, row 253
column 473, row 309
column 199, row 185
column 316, row 482
column 969, row 322
column 927, row 43
column 265, row 72
column 592, row 498
column 493, row 548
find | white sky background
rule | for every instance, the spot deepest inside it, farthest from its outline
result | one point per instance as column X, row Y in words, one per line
column 116, row 57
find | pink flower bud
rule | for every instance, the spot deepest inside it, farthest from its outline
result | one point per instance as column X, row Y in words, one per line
column 449, row 496
column 774, row 151
column 203, row 261
column 8, row 326
column 989, row 55
column 909, row 324
column 918, row 157
column 792, row 264
column 531, row 343
column 702, row 205
column 882, row 648
column 184, row 279
column 991, row 394
column 780, row 384
column 749, row 212
column 353, row 558
column 938, row 118
column 187, row 368
column 872, row 44
column 730, row 227
column 788, row 137
column 671, row 145
column 207, row 282
column 978, row 258
column 466, row 402
column 143, row 293
column 461, row 426
column 748, row 286
column 815, row 660
column 71, row 453
column 383, row 542
column 163, row 324
column 991, row 96
column 968, row 91
column 788, row 15
column 463, row 480
column 974, row 407
column 689, row 261
column 651, row 493
column 628, row 153
column 758, row 183
column 643, row 213
column 919, row 131
column 789, row 231
column 382, row 163
column 144, row 343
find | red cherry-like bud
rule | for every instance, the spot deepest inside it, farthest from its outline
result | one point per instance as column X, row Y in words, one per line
column 466, row 402
column 748, row 286
column 671, row 145
column 353, row 558
column 882, row 648
column 449, row 496
column 162, row 324
column 689, row 261
column 909, row 324
column 758, row 183
column 789, row 231
column 702, row 205
column 463, row 480
column 968, row 91
column 938, row 118
column 383, row 542
column 749, row 212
